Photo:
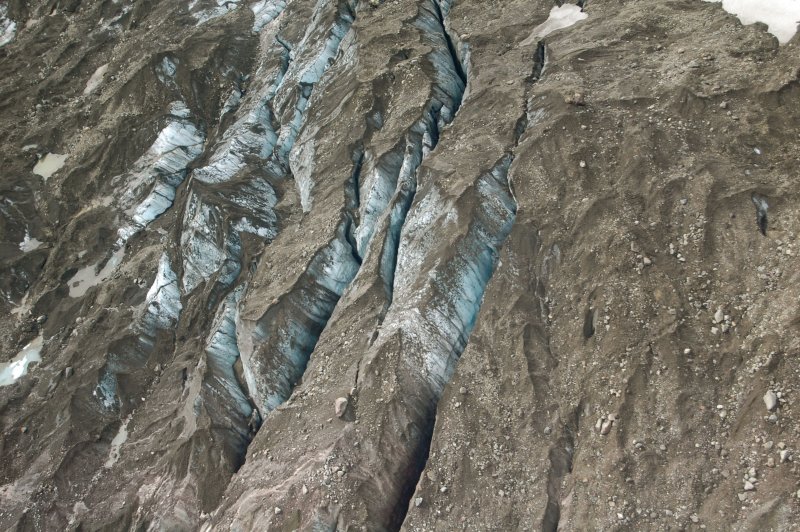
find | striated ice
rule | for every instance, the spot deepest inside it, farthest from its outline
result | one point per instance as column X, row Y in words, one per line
column 203, row 252
column 163, row 167
column 265, row 11
column 252, row 134
column 223, row 352
column 166, row 70
column 163, row 302
column 313, row 71
column 440, row 314
column 291, row 330
column 301, row 162
column 231, row 102
column 307, row 74
column 106, row 389
column 780, row 16
column 13, row 370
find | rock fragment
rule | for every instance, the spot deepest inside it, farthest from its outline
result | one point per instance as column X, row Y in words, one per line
column 340, row 406
column 770, row 400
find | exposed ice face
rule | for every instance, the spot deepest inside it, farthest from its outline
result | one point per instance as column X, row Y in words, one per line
column 163, row 167
column 780, row 16
column 200, row 245
column 284, row 338
column 106, row 389
column 8, row 28
column 163, row 302
column 439, row 312
column 210, row 240
column 12, row 371
column 251, row 134
column 266, row 11
column 450, row 78
column 49, row 165
column 166, row 70
column 560, row 17
column 223, row 352
column 305, row 74
column 395, row 172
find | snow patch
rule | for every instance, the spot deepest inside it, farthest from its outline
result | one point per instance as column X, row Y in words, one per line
column 8, row 28
column 29, row 244
column 12, row 371
column 49, row 165
column 120, row 438
column 560, row 17
column 24, row 306
column 780, row 16
column 92, row 275
column 205, row 15
column 96, row 79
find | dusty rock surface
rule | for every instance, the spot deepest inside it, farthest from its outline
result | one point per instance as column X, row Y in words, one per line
column 402, row 264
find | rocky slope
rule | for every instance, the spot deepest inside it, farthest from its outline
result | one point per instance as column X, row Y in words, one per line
column 403, row 264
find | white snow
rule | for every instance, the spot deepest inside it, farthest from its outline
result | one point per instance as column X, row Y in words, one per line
column 24, row 306
column 560, row 18
column 13, row 370
column 120, row 438
column 8, row 28
column 205, row 15
column 96, row 79
column 89, row 276
column 49, row 165
column 780, row 16
column 28, row 243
